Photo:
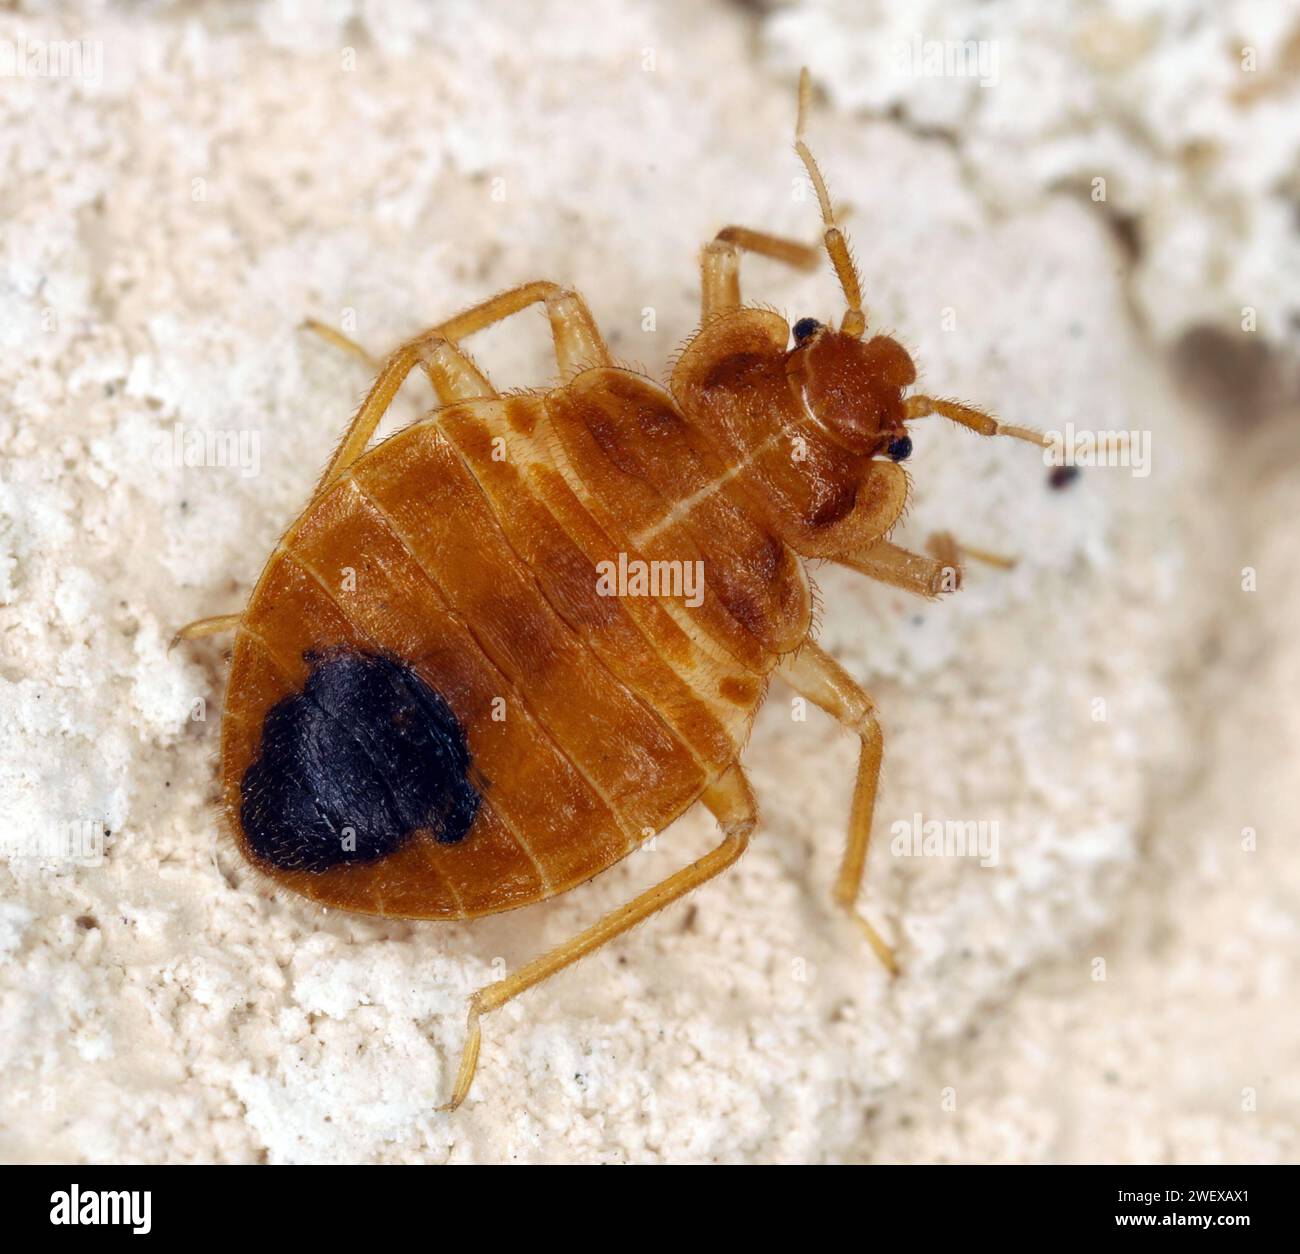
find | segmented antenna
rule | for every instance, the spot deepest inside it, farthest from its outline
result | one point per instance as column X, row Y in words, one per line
column 837, row 247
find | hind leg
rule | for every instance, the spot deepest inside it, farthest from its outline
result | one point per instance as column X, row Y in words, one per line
column 732, row 805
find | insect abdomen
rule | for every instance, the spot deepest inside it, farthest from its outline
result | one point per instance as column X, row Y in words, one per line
column 403, row 559
column 466, row 549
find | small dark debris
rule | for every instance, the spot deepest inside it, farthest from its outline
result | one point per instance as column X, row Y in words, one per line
column 1060, row 477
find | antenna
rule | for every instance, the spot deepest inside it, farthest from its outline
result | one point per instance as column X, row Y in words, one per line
column 837, row 247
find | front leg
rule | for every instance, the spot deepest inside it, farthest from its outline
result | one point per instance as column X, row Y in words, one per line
column 817, row 676
column 932, row 576
column 720, row 264
column 913, row 572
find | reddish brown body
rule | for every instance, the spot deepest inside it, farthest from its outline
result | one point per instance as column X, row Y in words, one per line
column 470, row 546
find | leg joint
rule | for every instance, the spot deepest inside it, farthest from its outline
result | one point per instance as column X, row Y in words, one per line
column 867, row 726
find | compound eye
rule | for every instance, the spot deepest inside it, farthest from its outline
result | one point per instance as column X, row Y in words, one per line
column 805, row 329
column 901, row 449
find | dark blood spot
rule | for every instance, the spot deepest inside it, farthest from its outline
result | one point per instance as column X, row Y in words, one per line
column 805, row 328
column 354, row 765
column 1062, row 476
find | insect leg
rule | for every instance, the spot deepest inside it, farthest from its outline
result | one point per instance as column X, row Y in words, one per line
column 578, row 343
column 720, row 263
column 454, row 378
column 950, row 551
column 213, row 626
column 931, row 576
column 817, row 676
column 913, row 572
column 339, row 340
column 732, row 804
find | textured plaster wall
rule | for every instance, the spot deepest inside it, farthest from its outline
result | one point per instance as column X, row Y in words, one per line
column 1115, row 704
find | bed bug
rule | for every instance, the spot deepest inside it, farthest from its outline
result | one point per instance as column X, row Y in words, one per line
column 471, row 675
